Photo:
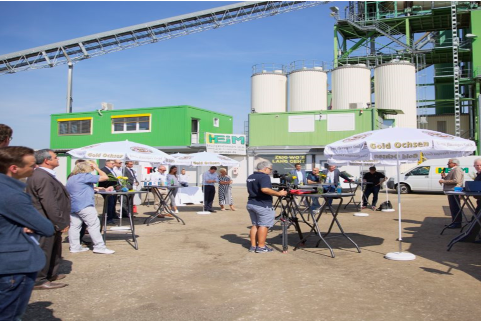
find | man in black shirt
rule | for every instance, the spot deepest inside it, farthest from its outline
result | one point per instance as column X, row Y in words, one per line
column 373, row 181
column 259, row 206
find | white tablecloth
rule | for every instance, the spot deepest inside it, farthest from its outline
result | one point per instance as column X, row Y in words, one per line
column 193, row 195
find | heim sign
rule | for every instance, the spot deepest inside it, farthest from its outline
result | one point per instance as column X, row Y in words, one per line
column 225, row 143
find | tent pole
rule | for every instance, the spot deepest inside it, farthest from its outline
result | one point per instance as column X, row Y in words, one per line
column 399, row 202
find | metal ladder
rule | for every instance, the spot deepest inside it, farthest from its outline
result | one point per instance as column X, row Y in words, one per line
column 457, row 108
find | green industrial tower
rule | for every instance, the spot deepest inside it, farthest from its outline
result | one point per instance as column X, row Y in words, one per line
column 442, row 39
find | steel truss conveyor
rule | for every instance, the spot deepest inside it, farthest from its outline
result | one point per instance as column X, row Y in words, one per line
column 71, row 51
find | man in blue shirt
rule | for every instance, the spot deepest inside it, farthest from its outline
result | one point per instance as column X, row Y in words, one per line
column 259, row 206
column 209, row 179
column 20, row 226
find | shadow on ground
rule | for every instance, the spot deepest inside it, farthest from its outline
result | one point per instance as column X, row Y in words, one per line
column 426, row 241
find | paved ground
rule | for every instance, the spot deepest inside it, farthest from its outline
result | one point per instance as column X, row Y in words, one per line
column 203, row 271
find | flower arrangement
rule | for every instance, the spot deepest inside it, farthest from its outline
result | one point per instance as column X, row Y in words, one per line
column 122, row 182
column 322, row 177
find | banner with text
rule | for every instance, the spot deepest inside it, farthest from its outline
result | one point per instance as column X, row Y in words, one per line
column 283, row 164
column 225, row 143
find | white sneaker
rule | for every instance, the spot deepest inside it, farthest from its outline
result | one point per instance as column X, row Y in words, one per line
column 176, row 212
column 104, row 251
column 83, row 249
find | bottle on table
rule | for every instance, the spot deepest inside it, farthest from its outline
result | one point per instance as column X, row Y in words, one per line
column 172, row 182
column 160, row 183
column 339, row 188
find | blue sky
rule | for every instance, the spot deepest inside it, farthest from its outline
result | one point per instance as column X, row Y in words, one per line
column 209, row 70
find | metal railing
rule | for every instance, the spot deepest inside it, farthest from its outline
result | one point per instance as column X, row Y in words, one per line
column 269, row 68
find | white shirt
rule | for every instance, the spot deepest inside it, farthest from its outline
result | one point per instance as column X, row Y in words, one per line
column 155, row 176
column 300, row 178
column 117, row 171
column 184, row 178
column 330, row 177
column 50, row 171
column 111, row 171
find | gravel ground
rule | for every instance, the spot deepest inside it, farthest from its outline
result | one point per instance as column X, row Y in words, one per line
column 203, row 271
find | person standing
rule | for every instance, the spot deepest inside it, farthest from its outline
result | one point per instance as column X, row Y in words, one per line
column 300, row 174
column 117, row 169
column 52, row 200
column 20, row 225
column 157, row 178
column 172, row 180
column 259, row 206
column 209, row 179
column 225, row 190
column 110, row 199
column 455, row 178
column 80, row 186
column 128, row 203
column 373, row 181
column 5, row 135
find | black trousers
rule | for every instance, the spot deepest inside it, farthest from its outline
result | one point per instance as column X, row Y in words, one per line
column 52, row 247
column 209, row 195
column 374, row 190
column 111, row 202
column 127, row 205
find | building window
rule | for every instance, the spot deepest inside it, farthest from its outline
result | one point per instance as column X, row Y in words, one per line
column 75, row 126
column 216, row 122
column 131, row 123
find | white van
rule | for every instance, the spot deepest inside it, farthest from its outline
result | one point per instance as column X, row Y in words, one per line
column 425, row 177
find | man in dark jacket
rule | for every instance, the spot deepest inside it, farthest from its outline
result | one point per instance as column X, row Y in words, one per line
column 128, row 202
column 20, row 225
column 110, row 199
column 52, row 200
column 373, row 180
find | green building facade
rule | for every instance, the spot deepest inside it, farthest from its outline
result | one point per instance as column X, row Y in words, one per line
column 172, row 127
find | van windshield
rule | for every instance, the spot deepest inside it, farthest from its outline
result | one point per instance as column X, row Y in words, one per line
column 423, row 170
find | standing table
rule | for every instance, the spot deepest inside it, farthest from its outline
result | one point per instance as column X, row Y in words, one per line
column 288, row 217
column 163, row 203
column 130, row 216
column 315, row 227
column 465, row 199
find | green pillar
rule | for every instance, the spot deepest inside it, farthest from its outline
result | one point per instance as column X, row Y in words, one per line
column 476, row 65
column 336, row 46
column 408, row 33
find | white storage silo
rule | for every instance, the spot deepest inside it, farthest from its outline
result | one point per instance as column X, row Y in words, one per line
column 351, row 87
column 395, row 88
column 307, row 89
column 268, row 90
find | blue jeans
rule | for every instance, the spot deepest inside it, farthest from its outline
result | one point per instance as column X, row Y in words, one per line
column 329, row 189
column 374, row 190
column 15, row 291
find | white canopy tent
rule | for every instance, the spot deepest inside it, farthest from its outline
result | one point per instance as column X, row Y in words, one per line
column 123, row 150
column 394, row 146
column 204, row 159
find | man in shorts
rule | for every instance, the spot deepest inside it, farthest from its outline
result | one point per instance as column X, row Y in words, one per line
column 259, row 206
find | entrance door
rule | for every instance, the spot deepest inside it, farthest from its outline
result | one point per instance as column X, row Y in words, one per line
column 194, row 131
